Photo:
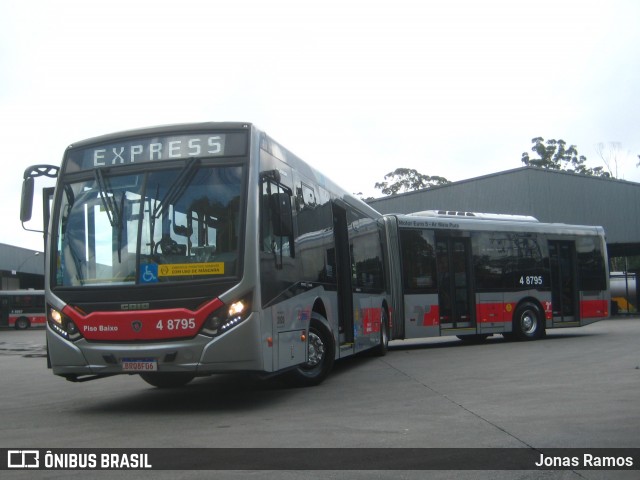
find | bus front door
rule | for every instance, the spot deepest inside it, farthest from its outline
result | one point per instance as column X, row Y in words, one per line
column 455, row 299
column 563, row 281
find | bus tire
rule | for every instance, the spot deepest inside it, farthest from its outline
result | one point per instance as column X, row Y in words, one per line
column 320, row 355
column 167, row 379
column 528, row 323
column 383, row 347
column 48, row 355
column 22, row 323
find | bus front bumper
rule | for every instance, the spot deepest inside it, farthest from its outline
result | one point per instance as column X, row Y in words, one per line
column 236, row 350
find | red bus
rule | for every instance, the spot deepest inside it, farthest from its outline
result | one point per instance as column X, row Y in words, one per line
column 22, row 309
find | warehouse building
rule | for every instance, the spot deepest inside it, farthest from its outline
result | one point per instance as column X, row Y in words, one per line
column 21, row 268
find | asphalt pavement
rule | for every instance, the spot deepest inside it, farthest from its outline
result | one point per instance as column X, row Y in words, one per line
column 577, row 388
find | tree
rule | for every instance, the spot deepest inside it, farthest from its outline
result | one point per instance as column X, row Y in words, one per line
column 407, row 180
column 609, row 153
column 555, row 155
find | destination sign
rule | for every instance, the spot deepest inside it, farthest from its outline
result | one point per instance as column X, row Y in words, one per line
column 157, row 149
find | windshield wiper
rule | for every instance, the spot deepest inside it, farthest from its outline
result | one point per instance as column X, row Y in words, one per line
column 111, row 206
column 178, row 187
column 174, row 192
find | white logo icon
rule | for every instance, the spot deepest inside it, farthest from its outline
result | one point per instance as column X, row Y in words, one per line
column 23, row 459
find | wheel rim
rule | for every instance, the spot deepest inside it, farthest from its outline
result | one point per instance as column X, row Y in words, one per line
column 316, row 350
column 529, row 322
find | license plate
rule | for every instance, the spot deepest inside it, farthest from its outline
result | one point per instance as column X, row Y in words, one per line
column 139, row 365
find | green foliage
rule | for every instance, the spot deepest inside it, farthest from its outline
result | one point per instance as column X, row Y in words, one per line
column 407, row 180
column 555, row 155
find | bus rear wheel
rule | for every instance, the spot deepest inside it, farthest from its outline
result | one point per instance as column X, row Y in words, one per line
column 528, row 322
column 168, row 379
column 22, row 323
column 320, row 356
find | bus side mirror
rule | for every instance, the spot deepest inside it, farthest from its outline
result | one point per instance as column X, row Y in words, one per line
column 26, row 203
column 282, row 216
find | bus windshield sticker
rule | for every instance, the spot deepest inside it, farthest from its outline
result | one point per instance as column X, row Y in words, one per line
column 149, row 273
column 187, row 269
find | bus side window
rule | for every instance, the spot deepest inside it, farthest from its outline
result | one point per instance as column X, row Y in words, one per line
column 276, row 220
column 419, row 260
column 281, row 215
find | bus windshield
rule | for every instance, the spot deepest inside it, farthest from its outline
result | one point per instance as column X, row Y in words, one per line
column 169, row 225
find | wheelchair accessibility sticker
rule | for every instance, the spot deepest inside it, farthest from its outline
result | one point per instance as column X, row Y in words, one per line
column 149, row 273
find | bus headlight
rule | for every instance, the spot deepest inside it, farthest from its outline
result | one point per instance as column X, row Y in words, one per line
column 62, row 325
column 227, row 317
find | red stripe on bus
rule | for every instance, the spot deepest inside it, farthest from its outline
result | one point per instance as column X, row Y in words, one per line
column 432, row 317
column 594, row 308
column 495, row 312
column 142, row 324
column 371, row 320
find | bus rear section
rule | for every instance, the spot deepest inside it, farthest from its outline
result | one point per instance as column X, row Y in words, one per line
column 476, row 276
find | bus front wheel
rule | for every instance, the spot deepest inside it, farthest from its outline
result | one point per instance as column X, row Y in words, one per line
column 528, row 323
column 320, row 356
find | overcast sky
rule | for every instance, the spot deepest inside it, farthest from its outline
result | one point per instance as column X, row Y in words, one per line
column 454, row 88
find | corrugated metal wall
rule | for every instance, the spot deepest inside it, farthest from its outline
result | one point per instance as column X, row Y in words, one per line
column 21, row 260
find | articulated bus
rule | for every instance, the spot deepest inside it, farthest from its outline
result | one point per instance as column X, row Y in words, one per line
column 22, row 309
column 181, row 251
column 475, row 275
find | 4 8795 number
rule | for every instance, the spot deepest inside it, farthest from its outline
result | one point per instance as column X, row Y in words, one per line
column 177, row 324
column 531, row 280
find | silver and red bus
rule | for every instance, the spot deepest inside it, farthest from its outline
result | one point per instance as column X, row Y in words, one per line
column 475, row 275
column 22, row 309
column 181, row 251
